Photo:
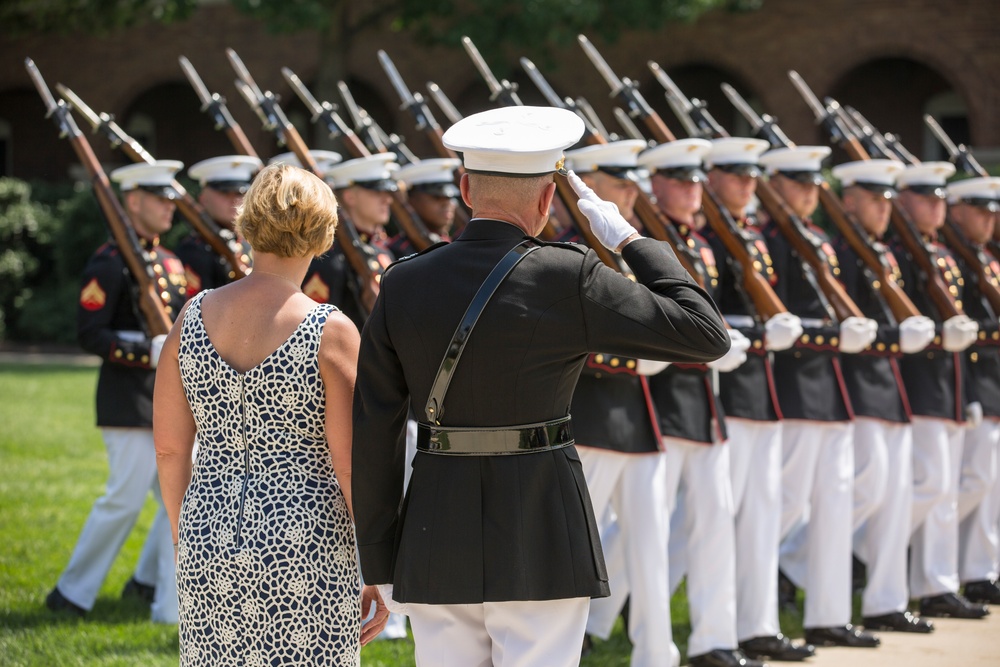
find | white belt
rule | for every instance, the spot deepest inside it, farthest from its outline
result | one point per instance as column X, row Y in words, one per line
column 131, row 336
column 740, row 321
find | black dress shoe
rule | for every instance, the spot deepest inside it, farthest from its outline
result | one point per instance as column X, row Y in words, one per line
column 777, row 648
column 898, row 621
column 846, row 635
column 984, row 592
column 786, row 593
column 953, row 605
column 55, row 601
column 722, row 657
column 136, row 589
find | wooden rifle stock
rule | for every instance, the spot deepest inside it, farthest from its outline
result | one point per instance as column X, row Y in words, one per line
column 569, row 198
column 239, row 140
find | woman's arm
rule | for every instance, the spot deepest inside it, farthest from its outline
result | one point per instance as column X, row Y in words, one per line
column 338, row 366
column 173, row 427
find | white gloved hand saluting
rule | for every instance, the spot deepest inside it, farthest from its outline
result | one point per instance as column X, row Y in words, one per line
column 857, row 333
column 959, row 333
column 730, row 361
column 608, row 225
column 155, row 348
column 915, row 333
column 781, row 331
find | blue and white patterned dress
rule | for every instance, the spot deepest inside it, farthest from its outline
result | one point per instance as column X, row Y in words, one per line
column 266, row 568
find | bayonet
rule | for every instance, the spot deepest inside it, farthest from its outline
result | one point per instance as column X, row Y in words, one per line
column 215, row 106
column 324, row 112
column 503, row 91
column 314, row 106
column 679, row 110
column 824, row 116
column 631, row 130
column 243, row 73
column 105, row 122
column 862, row 129
column 890, row 141
column 43, row 90
column 764, row 127
column 581, row 105
column 362, row 122
column 412, row 102
column 392, row 141
column 200, row 89
column 447, row 108
column 251, row 99
column 624, row 89
column 543, row 86
column 959, row 155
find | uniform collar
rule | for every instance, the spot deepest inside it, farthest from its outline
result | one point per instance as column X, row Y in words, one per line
column 486, row 229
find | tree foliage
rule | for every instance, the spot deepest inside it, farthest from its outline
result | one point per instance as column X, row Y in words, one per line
column 18, row 17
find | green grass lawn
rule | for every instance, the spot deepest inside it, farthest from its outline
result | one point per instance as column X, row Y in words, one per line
column 52, row 468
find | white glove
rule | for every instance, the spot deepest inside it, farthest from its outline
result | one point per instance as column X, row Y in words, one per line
column 606, row 222
column 781, row 331
column 155, row 348
column 974, row 414
column 730, row 361
column 915, row 333
column 649, row 367
column 395, row 607
column 959, row 333
column 857, row 333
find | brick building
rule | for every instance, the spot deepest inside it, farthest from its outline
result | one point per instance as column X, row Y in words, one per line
column 892, row 60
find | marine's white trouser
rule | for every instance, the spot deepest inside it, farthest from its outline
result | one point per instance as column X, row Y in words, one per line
column 632, row 487
column 817, row 488
column 937, row 468
column 755, row 464
column 545, row 633
column 883, row 501
column 978, row 511
column 131, row 476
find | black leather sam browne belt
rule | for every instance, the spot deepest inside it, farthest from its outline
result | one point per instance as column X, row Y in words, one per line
column 478, row 441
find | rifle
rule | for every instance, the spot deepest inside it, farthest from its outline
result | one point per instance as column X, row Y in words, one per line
column 505, row 94
column 137, row 262
column 908, row 235
column 649, row 214
column 222, row 240
column 804, row 242
column 959, row 155
column 447, row 108
column 215, row 106
column 359, row 256
column 766, row 127
column 740, row 247
column 955, row 239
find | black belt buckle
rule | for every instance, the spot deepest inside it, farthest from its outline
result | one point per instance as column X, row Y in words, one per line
column 473, row 441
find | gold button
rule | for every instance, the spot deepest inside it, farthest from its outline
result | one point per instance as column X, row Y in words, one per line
column 880, row 347
column 947, row 275
column 757, row 345
column 930, row 355
column 165, row 295
column 168, row 309
column 995, row 335
column 691, row 243
column 819, row 340
column 614, row 362
column 630, row 364
column 894, row 348
column 805, row 338
column 941, row 262
column 157, row 269
column 982, row 335
column 144, row 359
column 798, row 354
column 118, row 354
column 757, row 265
column 152, row 254
column 833, row 341
column 130, row 356
column 876, row 284
column 958, row 303
column 599, row 358
column 836, row 271
column 597, row 375
column 937, row 340
column 974, row 357
column 161, row 281
column 953, row 290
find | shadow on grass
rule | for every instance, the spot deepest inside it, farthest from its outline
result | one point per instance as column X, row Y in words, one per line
column 106, row 611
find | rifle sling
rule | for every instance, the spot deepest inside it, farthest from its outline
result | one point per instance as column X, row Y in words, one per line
column 446, row 370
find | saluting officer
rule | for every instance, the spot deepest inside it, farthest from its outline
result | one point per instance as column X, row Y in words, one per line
column 364, row 188
column 817, row 453
column 935, row 384
column 108, row 325
column 751, row 406
column 495, row 550
column 431, row 191
column 618, row 441
column 973, row 208
column 883, row 437
column 224, row 180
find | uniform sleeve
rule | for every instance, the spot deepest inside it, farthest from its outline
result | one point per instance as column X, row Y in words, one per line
column 381, row 404
column 664, row 316
column 104, row 288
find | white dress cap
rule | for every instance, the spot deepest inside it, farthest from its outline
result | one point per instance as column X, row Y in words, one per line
column 738, row 155
column 679, row 159
column 374, row 172
column 324, row 159
column 228, row 173
column 156, row 178
column 515, row 140
column 980, row 191
column 617, row 158
column 795, row 159
column 435, row 176
column 875, row 175
column 926, row 173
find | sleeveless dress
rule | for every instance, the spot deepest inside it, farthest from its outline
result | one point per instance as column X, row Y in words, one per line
column 267, row 567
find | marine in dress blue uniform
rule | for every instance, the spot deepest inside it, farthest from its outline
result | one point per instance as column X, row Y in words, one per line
column 431, row 191
column 108, row 325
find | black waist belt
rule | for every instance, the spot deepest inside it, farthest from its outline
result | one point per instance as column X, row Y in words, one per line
column 472, row 441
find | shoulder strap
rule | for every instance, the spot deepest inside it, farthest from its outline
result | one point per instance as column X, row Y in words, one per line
column 434, row 410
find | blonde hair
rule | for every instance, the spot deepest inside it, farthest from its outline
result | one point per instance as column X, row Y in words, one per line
column 288, row 212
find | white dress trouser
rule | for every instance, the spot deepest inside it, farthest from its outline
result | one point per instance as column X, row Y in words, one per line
column 937, row 469
column 131, row 476
column 755, row 464
column 883, row 501
column 545, row 633
column 978, row 545
column 633, row 487
column 817, row 487
column 698, row 476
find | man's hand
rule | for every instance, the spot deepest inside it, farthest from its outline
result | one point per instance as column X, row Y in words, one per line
column 370, row 630
column 730, row 361
column 959, row 333
column 608, row 225
column 781, row 331
column 856, row 334
column 915, row 333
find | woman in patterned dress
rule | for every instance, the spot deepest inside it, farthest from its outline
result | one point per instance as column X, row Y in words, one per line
column 264, row 377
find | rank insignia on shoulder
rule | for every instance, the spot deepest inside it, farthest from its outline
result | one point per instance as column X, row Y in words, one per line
column 316, row 289
column 569, row 245
column 92, row 296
